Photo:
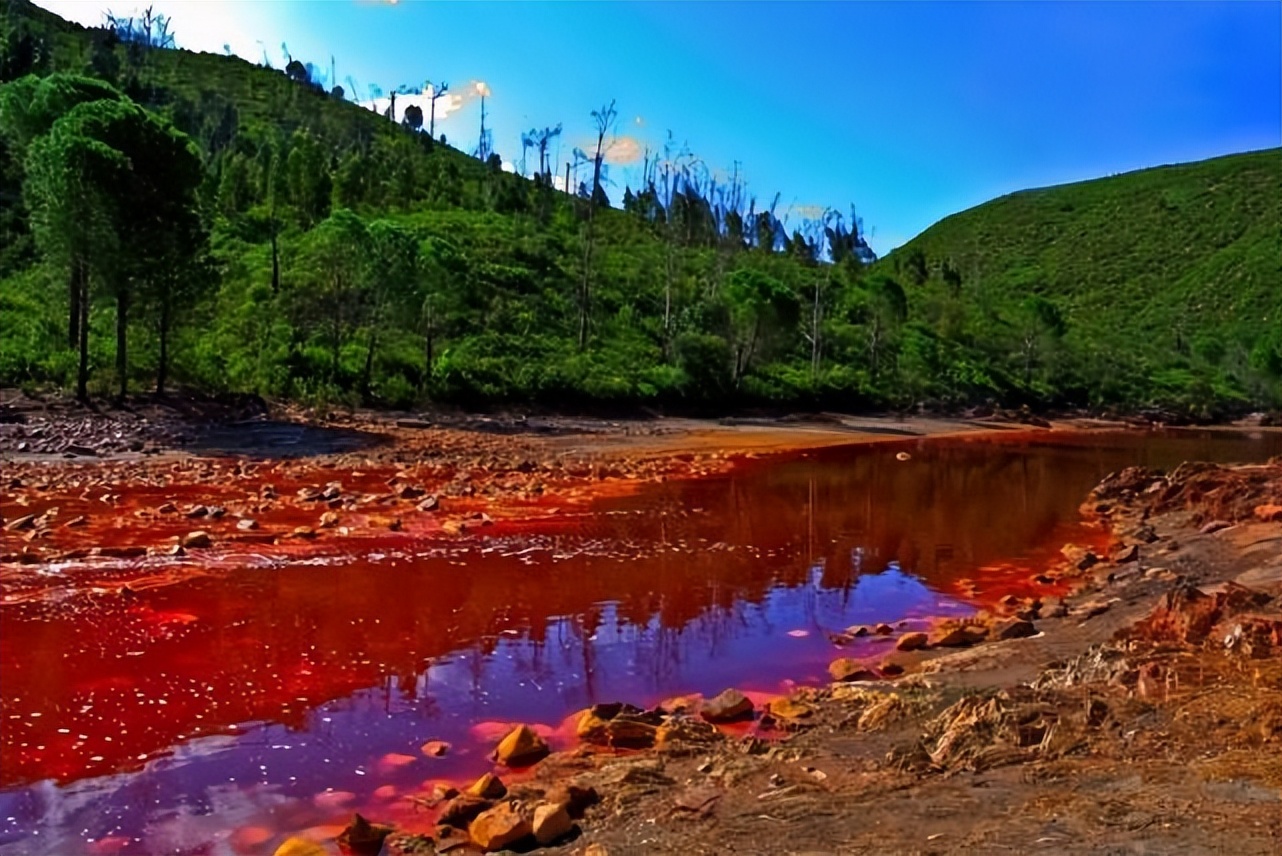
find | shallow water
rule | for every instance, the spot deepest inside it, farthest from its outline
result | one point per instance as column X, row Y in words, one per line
column 221, row 713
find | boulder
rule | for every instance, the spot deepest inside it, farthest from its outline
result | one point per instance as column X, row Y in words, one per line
column 551, row 823
column 847, row 669
column 521, row 748
column 504, row 825
column 489, row 786
column 912, row 642
column 728, row 706
column 1014, row 628
column 196, row 540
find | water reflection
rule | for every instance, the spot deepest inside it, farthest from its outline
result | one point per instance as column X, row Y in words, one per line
column 232, row 700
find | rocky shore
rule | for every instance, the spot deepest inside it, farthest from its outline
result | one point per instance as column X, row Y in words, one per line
column 1141, row 712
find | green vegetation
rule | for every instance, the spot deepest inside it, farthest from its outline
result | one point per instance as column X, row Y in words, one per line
column 168, row 214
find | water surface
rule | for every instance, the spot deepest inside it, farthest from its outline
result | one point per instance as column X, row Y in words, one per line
column 219, row 714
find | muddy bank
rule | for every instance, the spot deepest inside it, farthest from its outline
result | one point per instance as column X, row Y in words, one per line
column 1140, row 713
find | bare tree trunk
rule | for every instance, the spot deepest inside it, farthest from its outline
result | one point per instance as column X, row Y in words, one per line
column 82, row 369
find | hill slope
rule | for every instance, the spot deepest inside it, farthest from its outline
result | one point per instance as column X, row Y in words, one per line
column 1160, row 287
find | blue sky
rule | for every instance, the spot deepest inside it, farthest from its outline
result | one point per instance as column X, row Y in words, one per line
column 911, row 111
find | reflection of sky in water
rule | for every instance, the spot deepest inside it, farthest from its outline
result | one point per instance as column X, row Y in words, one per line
column 685, row 588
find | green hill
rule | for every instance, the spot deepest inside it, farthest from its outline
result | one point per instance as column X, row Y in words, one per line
column 343, row 257
column 1172, row 274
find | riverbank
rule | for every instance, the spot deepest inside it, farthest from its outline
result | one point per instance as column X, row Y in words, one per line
column 1141, row 712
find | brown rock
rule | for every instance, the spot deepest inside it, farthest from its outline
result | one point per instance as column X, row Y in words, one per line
column 196, row 540
column 551, row 823
column 847, row 669
column 1014, row 628
column 489, row 786
column 505, row 824
column 460, row 810
column 362, row 837
column 728, row 706
column 521, row 748
column 1268, row 513
column 912, row 642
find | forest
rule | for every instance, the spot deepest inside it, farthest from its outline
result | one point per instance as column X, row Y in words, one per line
column 178, row 220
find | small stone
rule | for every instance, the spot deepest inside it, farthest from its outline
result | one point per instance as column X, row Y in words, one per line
column 489, row 786
column 730, row 705
column 521, row 748
column 912, row 642
column 551, row 823
column 496, row 828
column 196, row 540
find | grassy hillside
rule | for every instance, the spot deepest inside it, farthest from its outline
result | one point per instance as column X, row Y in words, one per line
column 350, row 258
column 1173, row 272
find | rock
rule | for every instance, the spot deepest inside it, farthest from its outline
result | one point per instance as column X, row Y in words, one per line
column 435, row 748
column 847, row 669
column 729, row 706
column 551, row 823
column 489, row 786
column 463, row 808
column 362, row 837
column 1214, row 526
column 788, row 709
column 300, row 847
column 245, row 524
column 575, row 797
column 1268, row 513
column 521, row 748
column 1014, row 628
column 1127, row 553
column 196, row 540
column 912, row 642
column 961, row 636
column 503, row 825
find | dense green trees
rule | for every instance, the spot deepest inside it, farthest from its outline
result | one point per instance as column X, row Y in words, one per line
column 311, row 249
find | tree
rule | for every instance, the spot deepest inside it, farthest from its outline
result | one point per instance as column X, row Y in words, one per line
column 413, row 119
column 762, row 310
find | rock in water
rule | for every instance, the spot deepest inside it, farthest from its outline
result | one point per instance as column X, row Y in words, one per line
column 730, row 706
column 521, row 748
column 505, row 824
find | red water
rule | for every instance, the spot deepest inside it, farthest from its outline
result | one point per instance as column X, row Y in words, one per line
column 224, row 712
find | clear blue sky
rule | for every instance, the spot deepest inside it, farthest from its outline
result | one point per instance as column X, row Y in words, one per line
column 912, row 111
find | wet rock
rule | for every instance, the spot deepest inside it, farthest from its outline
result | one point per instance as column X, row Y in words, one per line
column 501, row 826
column 196, row 540
column 1014, row 628
column 912, row 642
column 300, row 847
column 489, row 786
column 551, row 823
column 728, row 706
column 848, row 669
column 363, row 838
column 521, row 748
column 463, row 808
